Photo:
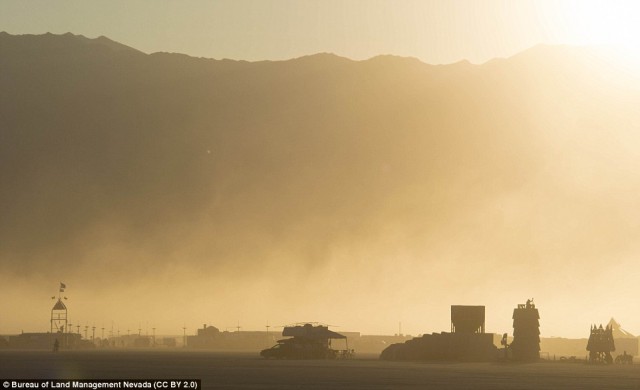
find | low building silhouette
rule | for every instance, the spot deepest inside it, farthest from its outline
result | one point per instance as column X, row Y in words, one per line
column 45, row 341
column 210, row 337
column 467, row 340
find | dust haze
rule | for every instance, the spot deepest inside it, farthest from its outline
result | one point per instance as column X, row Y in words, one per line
column 171, row 191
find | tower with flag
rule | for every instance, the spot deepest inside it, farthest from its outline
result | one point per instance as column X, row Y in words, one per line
column 59, row 313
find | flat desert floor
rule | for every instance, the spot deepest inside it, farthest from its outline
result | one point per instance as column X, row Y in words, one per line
column 248, row 371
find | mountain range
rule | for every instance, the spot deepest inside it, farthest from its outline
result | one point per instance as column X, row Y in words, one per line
column 112, row 159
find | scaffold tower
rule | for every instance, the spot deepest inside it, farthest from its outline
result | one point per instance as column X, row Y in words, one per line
column 526, row 332
column 59, row 313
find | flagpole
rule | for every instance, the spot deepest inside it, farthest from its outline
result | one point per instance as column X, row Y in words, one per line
column 61, row 290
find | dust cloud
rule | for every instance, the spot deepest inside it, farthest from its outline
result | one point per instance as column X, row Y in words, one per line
column 168, row 191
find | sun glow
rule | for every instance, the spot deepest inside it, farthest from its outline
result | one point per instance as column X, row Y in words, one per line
column 614, row 23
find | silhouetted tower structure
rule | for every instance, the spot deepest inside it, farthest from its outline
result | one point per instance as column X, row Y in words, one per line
column 467, row 319
column 59, row 313
column 59, row 324
column 600, row 344
column 526, row 332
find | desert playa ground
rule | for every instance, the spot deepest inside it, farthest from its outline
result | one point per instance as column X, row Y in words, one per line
column 248, row 371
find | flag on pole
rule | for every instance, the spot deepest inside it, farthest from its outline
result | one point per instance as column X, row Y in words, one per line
column 62, row 287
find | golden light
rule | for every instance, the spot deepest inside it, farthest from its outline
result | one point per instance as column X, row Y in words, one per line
column 615, row 23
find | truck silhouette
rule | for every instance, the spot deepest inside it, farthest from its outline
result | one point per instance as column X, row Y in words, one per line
column 307, row 341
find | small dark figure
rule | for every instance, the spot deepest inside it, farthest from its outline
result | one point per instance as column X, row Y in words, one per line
column 624, row 358
column 505, row 342
column 56, row 345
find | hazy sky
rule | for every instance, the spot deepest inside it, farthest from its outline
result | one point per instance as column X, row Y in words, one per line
column 434, row 31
